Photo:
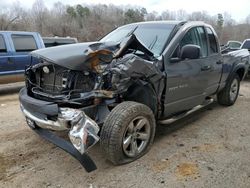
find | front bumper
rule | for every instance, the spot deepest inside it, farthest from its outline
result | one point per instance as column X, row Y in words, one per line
column 84, row 159
column 82, row 130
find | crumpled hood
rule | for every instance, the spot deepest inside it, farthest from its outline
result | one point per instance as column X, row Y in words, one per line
column 88, row 55
column 73, row 56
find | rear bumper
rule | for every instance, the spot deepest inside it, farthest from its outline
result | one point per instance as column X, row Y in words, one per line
column 81, row 129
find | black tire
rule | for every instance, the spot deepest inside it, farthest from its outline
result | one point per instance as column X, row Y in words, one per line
column 117, row 129
column 223, row 96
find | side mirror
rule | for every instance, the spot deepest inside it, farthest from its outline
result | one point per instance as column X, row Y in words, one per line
column 190, row 51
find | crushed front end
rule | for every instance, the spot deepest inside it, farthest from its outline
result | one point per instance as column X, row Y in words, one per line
column 73, row 88
column 50, row 103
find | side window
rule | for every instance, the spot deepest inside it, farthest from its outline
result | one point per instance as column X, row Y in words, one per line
column 191, row 37
column 213, row 48
column 3, row 48
column 24, row 43
column 203, row 41
column 196, row 36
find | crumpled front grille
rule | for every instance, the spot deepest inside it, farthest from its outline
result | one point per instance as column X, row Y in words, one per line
column 58, row 80
column 55, row 80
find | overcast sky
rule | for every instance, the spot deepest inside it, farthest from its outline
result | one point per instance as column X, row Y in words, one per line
column 239, row 9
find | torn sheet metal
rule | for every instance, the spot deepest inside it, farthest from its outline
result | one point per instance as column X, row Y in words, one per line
column 86, row 56
column 132, row 42
column 133, row 68
column 77, row 56
column 83, row 134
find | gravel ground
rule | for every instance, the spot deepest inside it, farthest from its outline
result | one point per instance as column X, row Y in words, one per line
column 209, row 149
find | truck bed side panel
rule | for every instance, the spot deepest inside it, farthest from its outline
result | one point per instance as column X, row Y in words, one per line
column 232, row 61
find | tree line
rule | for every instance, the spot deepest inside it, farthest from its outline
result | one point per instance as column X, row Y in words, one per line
column 90, row 22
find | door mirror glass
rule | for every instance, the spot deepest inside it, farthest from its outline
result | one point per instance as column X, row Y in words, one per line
column 190, row 51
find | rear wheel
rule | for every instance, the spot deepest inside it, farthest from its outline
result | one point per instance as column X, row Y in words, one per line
column 229, row 94
column 128, row 132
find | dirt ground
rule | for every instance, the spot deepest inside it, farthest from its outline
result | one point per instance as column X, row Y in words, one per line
column 209, row 149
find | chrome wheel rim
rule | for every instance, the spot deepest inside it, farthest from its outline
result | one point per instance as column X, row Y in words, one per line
column 234, row 90
column 136, row 136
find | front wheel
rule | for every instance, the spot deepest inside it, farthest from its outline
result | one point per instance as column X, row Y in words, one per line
column 229, row 94
column 128, row 132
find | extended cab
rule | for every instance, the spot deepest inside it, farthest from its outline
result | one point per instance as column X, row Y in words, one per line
column 15, row 47
column 118, row 89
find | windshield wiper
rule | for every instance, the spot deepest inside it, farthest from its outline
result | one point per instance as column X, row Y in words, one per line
column 153, row 42
column 131, row 32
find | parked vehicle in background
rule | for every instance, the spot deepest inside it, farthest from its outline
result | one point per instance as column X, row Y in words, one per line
column 118, row 89
column 57, row 41
column 15, row 47
column 246, row 44
column 231, row 46
column 234, row 45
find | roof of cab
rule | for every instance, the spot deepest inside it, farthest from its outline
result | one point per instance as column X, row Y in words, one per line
column 174, row 22
column 170, row 22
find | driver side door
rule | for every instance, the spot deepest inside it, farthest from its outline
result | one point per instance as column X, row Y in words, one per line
column 185, row 83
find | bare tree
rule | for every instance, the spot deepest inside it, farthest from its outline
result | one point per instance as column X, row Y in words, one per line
column 39, row 13
column 89, row 22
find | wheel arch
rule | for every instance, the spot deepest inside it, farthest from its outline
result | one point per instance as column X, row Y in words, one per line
column 144, row 94
column 241, row 72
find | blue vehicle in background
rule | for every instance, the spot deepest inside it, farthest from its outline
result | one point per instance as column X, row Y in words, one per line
column 15, row 47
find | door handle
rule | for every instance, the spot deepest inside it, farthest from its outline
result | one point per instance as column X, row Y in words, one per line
column 219, row 62
column 206, row 68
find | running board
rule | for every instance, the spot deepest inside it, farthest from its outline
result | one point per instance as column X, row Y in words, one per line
column 175, row 118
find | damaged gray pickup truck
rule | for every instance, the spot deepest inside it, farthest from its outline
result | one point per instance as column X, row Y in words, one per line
column 117, row 89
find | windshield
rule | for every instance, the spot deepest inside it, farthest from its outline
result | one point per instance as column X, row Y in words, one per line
column 153, row 36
